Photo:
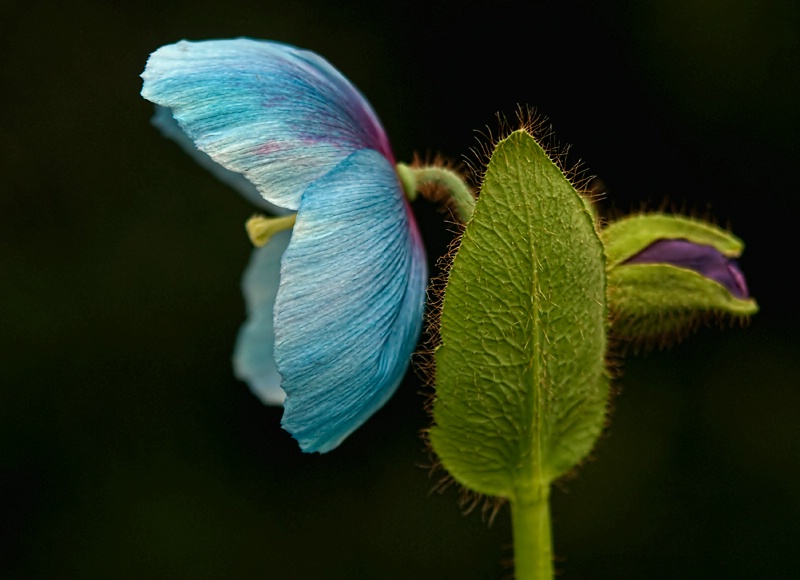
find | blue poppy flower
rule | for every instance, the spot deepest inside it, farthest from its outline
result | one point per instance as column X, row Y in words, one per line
column 336, row 305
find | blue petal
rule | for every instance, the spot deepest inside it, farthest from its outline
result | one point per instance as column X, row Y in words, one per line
column 169, row 127
column 281, row 116
column 350, row 304
column 253, row 357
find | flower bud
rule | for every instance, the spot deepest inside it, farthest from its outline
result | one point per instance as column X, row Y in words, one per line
column 667, row 274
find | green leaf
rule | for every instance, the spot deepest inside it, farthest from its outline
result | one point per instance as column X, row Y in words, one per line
column 521, row 384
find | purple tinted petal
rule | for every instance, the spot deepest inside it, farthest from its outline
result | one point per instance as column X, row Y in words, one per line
column 705, row 260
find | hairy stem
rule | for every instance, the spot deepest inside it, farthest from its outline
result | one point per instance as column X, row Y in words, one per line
column 458, row 191
column 533, row 545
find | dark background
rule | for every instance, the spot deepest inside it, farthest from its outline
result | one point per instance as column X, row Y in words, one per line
column 129, row 450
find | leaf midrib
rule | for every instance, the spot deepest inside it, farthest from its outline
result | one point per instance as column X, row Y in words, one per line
column 531, row 477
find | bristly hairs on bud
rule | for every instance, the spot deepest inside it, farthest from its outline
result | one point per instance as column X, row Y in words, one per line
column 669, row 206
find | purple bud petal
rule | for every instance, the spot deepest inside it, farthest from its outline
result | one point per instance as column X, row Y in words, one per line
column 705, row 260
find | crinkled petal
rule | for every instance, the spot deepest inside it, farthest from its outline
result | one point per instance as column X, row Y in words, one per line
column 253, row 356
column 281, row 116
column 350, row 305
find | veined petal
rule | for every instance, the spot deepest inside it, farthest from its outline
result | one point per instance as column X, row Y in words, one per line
column 281, row 116
column 166, row 123
column 350, row 305
column 253, row 356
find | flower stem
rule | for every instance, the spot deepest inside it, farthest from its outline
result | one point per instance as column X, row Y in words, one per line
column 459, row 193
column 533, row 544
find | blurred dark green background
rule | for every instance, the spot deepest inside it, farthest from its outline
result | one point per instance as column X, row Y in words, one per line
column 128, row 449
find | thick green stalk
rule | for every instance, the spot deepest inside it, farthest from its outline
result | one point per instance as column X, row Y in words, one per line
column 533, row 543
